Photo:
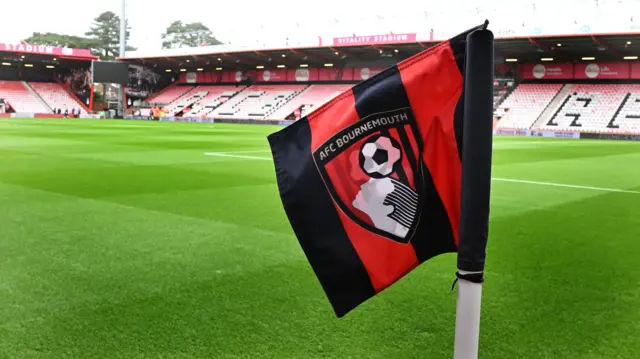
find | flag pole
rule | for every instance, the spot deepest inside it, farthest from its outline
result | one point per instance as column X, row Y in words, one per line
column 476, row 186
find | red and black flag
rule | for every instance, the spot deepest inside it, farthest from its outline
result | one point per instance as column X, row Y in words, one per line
column 371, row 181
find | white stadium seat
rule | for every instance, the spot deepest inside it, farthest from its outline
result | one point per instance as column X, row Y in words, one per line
column 56, row 97
column 599, row 108
column 20, row 98
column 525, row 104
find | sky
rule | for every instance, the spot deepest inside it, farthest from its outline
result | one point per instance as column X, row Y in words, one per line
column 247, row 22
column 228, row 19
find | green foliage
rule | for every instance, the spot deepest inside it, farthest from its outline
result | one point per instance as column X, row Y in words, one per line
column 105, row 32
column 60, row 40
column 194, row 34
column 103, row 38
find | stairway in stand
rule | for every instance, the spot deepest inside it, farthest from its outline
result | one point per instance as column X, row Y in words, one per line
column 37, row 96
column 553, row 107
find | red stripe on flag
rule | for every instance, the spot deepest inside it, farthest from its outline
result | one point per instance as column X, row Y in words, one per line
column 434, row 87
column 386, row 261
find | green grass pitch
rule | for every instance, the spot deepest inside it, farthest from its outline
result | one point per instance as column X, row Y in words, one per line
column 124, row 240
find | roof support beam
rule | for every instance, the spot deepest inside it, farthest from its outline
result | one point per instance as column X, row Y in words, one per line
column 606, row 45
column 319, row 58
column 241, row 58
column 540, row 45
column 278, row 59
column 547, row 48
column 380, row 49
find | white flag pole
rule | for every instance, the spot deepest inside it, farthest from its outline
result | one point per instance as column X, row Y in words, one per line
column 467, row 318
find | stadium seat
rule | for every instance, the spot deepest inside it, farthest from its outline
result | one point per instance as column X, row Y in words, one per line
column 258, row 101
column 170, row 95
column 525, row 104
column 20, row 98
column 598, row 108
column 312, row 98
column 501, row 88
column 187, row 100
column 56, row 97
column 627, row 120
column 216, row 96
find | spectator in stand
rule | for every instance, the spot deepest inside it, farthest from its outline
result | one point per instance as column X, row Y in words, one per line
column 54, row 111
column 66, row 113
column 59, row 111
column 78, row 113
column 73, row 112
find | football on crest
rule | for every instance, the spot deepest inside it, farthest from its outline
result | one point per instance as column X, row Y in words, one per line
column 379, row 155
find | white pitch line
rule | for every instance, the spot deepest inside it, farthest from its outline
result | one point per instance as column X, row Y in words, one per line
column 234, row 152
column 219, row 154
column 521, row 142
column 552, row 184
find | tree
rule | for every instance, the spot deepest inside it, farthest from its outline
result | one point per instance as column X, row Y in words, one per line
column 60, row 40
column 192, row 34
column 105, row 32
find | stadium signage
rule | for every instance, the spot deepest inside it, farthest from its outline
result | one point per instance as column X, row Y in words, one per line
column 364, row 128
column 511, row 132
column 586, row 70
column 547, row 71
column 562, row 134
column 610, row 70
column 40, row 49
column 374, row 39
column 610, row 136
column 635, row 70
column 45, row 50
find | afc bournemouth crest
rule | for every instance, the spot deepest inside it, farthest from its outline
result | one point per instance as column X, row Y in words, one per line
column 374, row 172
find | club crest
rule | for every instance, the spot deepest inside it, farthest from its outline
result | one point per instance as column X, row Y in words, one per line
column 374, row 172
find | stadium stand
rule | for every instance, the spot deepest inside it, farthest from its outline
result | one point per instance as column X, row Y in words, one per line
column 602, row 108
column 216, row 96
column 18, row 95
column 56, row 97
column 310, row 99
column 185, row 102
column 501, row 89
column 526, row 103
column 170, row 95
column 627, row 118
column 258, row 101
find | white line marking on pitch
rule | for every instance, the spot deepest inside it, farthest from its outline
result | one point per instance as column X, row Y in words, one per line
column 552, row 184
column 234, row 152
column 221, row 154
column 520, row 142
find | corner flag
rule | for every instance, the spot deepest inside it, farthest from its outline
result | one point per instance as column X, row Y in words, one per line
column 373, row 181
